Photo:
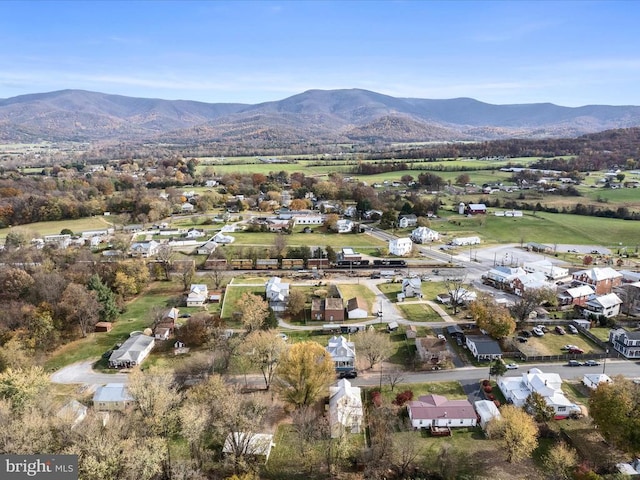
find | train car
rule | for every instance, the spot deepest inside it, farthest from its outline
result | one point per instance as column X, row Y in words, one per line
column 292, row 263
column 215, row 264
column 318, row 263
column 242, row 264
column 267, row 264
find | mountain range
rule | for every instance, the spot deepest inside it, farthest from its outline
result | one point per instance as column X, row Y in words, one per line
column 314, row 116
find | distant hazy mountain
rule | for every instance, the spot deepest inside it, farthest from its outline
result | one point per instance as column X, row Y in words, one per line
column 313, row 116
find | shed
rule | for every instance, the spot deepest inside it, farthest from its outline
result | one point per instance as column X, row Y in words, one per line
column 411, row 332
column 487, row 411
column 592, row 380
column 392, row 326
column 103, row 327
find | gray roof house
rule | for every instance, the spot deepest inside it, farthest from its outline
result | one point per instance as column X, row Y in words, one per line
column 343, row 353
column 483, row 347
column 132, row 352
column 112, row 396
column 412, row 287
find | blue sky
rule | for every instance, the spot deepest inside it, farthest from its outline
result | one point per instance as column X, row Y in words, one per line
column 569, row 53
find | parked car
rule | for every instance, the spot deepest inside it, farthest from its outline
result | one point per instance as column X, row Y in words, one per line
column 569, row 347
column 524, row 333
column 283, row 336
column 575, row 350
column 538, row 332
column 441, row 337
column 512, row 366
column 543, row 328
column 574, row 363
column 560, row 330
column 591, row 363
column 522, row 339
column 348, row 374
column 572, row 329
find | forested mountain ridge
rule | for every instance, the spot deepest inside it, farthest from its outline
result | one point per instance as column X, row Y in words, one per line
column 325, row 116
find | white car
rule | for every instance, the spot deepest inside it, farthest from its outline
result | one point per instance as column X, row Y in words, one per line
column 511, row 366
column 538, row 332
column 283, row 336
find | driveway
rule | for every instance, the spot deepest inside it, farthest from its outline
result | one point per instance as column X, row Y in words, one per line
column 83, row 373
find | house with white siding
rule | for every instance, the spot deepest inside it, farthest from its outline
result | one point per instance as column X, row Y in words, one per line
column 438, row 411
column 400, row 246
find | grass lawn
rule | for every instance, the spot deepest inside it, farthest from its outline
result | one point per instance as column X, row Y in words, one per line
column 601, row 332
column 390, row 290
column 135, row 318
column 418, row 312
column 350, row 290
column 232, row 296
column 452, row 390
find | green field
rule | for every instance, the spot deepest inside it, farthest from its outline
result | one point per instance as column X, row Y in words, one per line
column 136, row 317
column 547, row 228
column 309, row 239
column 52, row 228
column 232, row 296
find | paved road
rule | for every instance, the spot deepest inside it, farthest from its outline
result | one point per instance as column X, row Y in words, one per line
column 83, row 373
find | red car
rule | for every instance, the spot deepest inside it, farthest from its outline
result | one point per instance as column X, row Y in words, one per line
column 575, row 350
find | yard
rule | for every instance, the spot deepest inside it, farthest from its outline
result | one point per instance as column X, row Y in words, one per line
column 350, row 290
column 233, row 294
column 552, row 343
column 418, row 312
column 136, row 317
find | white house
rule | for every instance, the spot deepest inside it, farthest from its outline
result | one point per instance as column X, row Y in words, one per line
column 592, row 380
column 549, row 385
column 551, row 271
column 277, row 294
column 198, row 293
column 345, row 408
column 605, row 305
column 249, row 444
column 144, row 249
column 487, row 411
column 463, row 241
column 187, row 207
column 407, row 221
column 222, row 239
column 132, row 352
column 357, row 308
column 625, row 342
column 195, row 233
column 412, row 287
column 343, row 353
column 400, row 246
column 344, row 226
column 424, row 235
column 437, row 411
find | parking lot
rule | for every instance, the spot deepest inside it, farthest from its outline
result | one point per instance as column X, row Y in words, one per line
column 551, row 343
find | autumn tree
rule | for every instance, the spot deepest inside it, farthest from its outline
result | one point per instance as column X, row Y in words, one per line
column 529, row 301
column 14, row 283
column 517, row 431
column 615, row 409
column 498, row 368
column 253, row 311
column 80, row 306
column 331, row 221
column 491, row 317
column 23, row 386
column 264, row 349
column 305, row 372
column 372, row 345
column 536, row 406
column 296, row 302
column 279, row 245
column 560, row 462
